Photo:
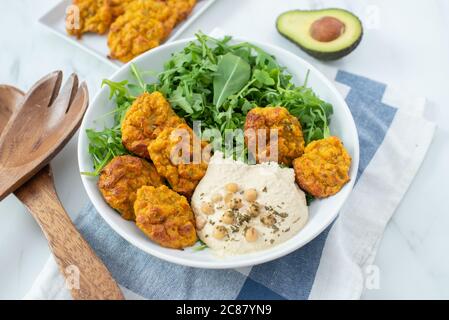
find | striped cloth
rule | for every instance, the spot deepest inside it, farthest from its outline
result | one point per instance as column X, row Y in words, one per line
column 337, row 264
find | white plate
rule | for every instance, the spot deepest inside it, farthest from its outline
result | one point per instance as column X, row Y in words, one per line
column 322, row 212
column 96, row 44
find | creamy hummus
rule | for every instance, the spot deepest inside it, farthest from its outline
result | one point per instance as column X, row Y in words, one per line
column 277, row 214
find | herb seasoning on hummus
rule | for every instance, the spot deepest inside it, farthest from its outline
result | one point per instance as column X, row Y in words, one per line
column 252, row 208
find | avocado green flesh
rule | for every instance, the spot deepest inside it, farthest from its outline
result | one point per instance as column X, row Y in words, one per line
column 295, row 26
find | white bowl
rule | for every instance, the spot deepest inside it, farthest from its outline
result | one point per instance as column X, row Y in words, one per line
column 322, row 212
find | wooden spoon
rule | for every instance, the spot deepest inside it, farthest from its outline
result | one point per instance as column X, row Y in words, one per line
column 45, row 121
column 10, row 97
column 71, row 251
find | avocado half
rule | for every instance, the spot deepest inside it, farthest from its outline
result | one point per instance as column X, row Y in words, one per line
column 326, row 34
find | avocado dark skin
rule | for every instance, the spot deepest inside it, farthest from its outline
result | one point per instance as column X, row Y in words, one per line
column 327, row 56
column 349, row 19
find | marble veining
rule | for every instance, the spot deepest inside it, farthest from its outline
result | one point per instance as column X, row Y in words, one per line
column 412, row 256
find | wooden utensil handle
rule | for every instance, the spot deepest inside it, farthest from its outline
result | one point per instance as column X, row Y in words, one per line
column 73, row 255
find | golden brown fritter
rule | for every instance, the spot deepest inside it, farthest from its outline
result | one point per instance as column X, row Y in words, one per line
column 324, row 168
column 144, row 25
column 165, row 217
column 290, row 139
column 182, row 7
column 172, row 153
column 120, row 180
column 94, row 16
column 148, row 115
column 118, row 7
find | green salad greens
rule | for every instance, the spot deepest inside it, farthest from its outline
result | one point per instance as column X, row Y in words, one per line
column 215, row 82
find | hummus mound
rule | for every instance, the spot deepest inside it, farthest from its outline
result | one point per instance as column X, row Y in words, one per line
column 281, row 206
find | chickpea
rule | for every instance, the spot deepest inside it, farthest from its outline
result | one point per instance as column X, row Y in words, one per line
column 217, row 198
column 251, row 234
column 250, row 195
column 232, row 187
column 228, row 197
column 207, row 208
column 268, row 220
column 228, row 217
column 200, row 223
column 254, row 209
column 220, row 232
column 235, row 203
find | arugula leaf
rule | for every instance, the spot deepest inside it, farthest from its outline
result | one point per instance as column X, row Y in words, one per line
column 263, row 77
column 117, row 89
column 201, row 246
column 232, row 74
column 103, row 147
column 179, row 99
column 138, row 76
column 106, row 144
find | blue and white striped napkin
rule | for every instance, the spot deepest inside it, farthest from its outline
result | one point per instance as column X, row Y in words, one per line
column 394, row 138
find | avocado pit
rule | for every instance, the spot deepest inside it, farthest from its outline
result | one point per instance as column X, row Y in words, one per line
column 327, row 29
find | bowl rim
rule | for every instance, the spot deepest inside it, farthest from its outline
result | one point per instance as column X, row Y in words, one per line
column 276, row 251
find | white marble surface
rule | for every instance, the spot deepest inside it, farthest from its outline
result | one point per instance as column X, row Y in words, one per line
column 405, row 43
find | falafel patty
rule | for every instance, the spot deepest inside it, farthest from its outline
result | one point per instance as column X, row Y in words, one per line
column 290, row 141
column 165, row 217
column 172, row 153
column 324, row 168
column 94, row 16
column 120, row 179
column 182, row 8
column 118, row 7
column 149, row 114
column 144, row 25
